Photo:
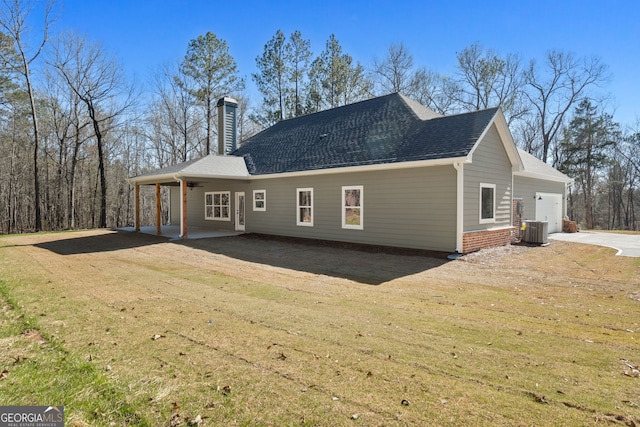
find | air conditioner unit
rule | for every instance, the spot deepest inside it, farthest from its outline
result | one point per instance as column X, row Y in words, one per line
column 536, row 232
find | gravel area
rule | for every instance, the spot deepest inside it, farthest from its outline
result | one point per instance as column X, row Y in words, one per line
column 491, row 255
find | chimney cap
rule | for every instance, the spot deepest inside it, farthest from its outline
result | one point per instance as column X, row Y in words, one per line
column 226, row 100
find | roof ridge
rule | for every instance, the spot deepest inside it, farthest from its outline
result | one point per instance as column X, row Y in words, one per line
column 494, row 109
column 421, row 111
column 335, row 108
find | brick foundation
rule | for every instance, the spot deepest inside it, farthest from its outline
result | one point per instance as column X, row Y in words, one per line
column 476, row 240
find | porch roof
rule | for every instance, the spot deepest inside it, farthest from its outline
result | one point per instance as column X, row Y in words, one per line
column 208, row 167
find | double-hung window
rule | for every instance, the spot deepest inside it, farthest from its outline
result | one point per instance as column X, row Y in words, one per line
column 217, row 205
column 487, row 203
column 352, row 207
column 304, row 206
column 259, row 200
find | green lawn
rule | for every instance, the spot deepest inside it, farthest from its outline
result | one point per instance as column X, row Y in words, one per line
column 126, row 329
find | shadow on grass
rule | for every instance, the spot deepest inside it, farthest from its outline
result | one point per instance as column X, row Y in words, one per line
column 362, row 263
column 71, row 244
column 367, row 264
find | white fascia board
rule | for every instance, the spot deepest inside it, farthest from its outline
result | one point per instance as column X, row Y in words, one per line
column 173, row 177
column 527, row 174
column 152, row 179
column 193, row 177
column 176, row 177
column 365, row 168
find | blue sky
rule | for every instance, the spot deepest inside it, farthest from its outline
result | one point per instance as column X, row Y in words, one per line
column 143, row 34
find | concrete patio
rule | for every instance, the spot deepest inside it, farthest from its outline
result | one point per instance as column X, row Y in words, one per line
column 172, row 232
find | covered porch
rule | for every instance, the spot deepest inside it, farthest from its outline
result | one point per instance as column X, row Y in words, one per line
column 186, row 176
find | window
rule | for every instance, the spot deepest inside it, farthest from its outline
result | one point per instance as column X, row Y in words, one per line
column 217, row 205
column 259, row 200
column 487, row 203
column 352, row 202
column 304, row 206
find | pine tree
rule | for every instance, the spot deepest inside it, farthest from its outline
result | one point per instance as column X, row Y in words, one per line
column 210, row 72
column 585, row 150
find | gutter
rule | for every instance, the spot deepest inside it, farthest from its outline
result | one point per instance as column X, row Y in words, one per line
column 176, row 176
column 364, row 168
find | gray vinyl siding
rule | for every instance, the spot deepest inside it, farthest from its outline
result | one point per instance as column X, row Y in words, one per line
column 195, row 204
column 526, row 189
column 412, row 208
column 490, row 165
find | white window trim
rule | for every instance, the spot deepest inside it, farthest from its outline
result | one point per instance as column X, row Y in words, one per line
column 213, row 196
column 264, row 200
column 298, row 222
column 487, row 220
column 345, row 207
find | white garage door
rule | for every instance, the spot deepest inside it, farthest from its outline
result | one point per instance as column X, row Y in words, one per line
column 549, row 208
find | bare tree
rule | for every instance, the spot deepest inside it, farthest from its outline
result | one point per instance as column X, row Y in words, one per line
column 13, row 21
column 70, row 128
column 173, row 123
column 96, row 79
column 247, row 126
column 556, row 88
column 394, row 72
column 434, row 91
column 488, row 80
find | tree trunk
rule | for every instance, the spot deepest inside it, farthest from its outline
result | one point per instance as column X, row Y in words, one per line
column 103, row 179
column 36, row 147
column 208, row 106
column 72, row 183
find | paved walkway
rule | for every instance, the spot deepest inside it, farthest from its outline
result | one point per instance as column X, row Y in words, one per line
column 626, row 244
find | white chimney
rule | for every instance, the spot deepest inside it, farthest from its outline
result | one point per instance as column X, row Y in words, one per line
column 227, row 125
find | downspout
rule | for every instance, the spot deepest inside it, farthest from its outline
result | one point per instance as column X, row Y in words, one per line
column 158, row 210
column 565, row 199
column 137, row 193
column 513, row 192
column 183, row 207
column 459, row 205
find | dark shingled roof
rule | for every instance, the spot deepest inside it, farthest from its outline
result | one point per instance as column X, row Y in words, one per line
column 377, row 131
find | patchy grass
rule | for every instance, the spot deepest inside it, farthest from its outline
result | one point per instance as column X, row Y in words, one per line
column 261, row 332
column 38, row 370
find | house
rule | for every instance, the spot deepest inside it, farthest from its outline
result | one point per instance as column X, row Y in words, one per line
column 386, row 171
column 540, row 193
